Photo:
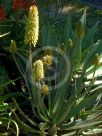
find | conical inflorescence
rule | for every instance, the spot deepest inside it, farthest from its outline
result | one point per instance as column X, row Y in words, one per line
column 38, row 70
column 32, row 26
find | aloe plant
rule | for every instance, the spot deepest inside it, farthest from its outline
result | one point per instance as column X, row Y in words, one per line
column 61, row 85
column 73, row 108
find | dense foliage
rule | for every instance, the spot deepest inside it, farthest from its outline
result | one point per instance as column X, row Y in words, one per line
column 50, row 69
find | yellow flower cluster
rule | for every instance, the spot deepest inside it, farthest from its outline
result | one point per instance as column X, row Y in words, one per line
column 38, row 74
column 38, row 70
column 32, row 26
column 45, row 89
column 47, row 60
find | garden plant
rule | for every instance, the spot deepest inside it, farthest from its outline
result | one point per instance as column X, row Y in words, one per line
column 50, row 70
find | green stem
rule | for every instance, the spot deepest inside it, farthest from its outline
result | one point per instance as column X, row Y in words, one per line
column 29, row 79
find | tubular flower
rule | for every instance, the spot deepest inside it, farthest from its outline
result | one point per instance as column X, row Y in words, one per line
column 45, row 89
column 13, row 48
column 47, row 60
column 96, row 60
column 2, row 14
column 80, row 30
column 38, row 70
column 32, row 26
